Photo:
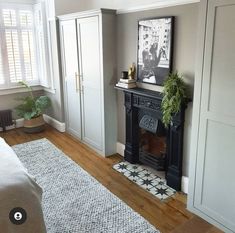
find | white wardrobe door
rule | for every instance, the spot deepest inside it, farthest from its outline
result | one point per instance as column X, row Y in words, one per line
column 71, row 78
column 215, row 186
column 90, row 71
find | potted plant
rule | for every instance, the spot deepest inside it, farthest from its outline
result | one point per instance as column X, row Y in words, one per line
column 32, row 109
column 174, row 94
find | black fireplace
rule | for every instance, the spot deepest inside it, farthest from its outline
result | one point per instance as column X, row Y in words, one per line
column 147, row 140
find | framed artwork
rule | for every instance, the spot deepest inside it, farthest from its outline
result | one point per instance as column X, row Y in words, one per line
column 155, row 47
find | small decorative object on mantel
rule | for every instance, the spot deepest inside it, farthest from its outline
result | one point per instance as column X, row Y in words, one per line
column 131, row 72
column 155, row 47
column 174, row 95
column 128, row 78
column 126, row 83
column 124, row 75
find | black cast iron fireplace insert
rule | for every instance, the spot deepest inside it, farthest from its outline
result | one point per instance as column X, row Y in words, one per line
column 143, row 124
column 152, row 141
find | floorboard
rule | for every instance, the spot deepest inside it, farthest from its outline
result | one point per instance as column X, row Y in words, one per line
column 170, row 216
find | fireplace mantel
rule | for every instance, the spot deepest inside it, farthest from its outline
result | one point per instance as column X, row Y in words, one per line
column 138, row 99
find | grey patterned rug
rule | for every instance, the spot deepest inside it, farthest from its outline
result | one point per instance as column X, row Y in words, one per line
column 73, row 201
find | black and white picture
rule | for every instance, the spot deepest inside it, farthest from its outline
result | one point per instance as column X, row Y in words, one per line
column 155, row 49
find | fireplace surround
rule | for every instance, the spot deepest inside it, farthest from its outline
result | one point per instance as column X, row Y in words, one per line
column 143, row 112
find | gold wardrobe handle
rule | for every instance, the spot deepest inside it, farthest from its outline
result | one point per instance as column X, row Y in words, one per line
column 77, row 80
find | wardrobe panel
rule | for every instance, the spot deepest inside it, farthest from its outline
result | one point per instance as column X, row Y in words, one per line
column 70, row 77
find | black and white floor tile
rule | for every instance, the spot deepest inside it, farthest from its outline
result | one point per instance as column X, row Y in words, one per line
column 146, row 178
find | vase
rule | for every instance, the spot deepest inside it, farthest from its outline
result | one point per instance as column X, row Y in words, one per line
column 34, row 125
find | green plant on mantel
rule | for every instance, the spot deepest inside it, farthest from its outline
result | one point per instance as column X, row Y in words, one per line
column 174, row 94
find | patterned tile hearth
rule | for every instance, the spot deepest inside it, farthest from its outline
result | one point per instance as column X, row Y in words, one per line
column 146, row 178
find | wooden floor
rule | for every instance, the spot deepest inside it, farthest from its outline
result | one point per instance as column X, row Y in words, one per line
column 168, row 216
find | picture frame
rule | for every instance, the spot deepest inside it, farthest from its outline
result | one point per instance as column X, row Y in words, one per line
column 155, row 49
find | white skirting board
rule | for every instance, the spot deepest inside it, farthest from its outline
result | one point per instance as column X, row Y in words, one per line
column 184, row 182
column 60, row 126
column 120, row 148
column 18, row 124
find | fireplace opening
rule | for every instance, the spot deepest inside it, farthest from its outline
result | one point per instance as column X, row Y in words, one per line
column 152, row 143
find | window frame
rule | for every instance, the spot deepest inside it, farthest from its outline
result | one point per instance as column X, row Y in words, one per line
column 44, row 74
column 43, row 77
column 5, row 61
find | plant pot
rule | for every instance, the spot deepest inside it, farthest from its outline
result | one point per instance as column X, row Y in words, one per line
column 34, row 125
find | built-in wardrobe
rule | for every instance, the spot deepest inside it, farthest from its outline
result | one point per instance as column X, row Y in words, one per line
column 212, row 173
column 88, row 44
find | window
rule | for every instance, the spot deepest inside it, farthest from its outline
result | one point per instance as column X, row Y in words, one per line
column 22, row 45
column 42, row 45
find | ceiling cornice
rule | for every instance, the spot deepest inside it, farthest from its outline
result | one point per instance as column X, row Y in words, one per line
column 158, row 4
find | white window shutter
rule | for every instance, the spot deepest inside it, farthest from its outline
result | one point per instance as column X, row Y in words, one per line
column 26, row 18
column 18, row 54
column 12, row 45
column 2, row 79
column 9, row 17
column 13, row 55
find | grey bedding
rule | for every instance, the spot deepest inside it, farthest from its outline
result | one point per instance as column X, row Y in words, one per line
column 18, row 189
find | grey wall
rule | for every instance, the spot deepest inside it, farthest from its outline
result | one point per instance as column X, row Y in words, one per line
column 57, row 110
column 184, row 48
column 184, row 53
column 11, row 101
column 183, row 61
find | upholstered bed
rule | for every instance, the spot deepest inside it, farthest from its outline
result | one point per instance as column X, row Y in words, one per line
column 18, row 189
